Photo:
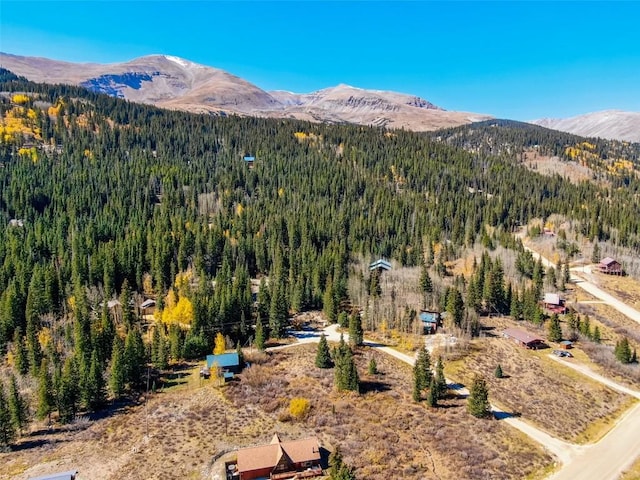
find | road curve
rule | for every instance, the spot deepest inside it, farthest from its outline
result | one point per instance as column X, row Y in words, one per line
column 564, row 451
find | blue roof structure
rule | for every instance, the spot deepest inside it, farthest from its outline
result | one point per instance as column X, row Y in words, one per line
column 428, row 317
column 224, row 360
column 249, row 158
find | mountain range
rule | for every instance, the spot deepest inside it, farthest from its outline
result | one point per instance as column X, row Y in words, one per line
column 171, row 82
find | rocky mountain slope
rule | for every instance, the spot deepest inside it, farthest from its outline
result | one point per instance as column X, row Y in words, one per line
column 172, row 82
column 610, row 124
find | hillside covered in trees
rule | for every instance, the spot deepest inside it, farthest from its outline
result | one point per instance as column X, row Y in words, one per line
column 102, row 199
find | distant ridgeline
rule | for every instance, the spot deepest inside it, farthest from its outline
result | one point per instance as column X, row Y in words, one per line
column 109, row 191
column 619, row 161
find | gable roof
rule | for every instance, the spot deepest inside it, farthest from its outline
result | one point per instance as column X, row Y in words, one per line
column 520, row 335
column 224, row 360
column 268, row 456
column 552, row 298
column 380, row 263
column 150, row 302
column 428, row 317
column 607, row 261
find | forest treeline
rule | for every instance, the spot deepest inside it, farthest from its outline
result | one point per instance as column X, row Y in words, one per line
column 104, row 199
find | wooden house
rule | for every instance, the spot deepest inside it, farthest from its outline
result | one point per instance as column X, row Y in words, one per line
column 148, row 307
column 610, row 266
column 430, row 321
column 554, row 303
column 280, row 460
column 248, row 160
column 523, row 338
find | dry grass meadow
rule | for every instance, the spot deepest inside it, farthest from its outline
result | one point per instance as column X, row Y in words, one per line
column 543, row 391
column 181, row 431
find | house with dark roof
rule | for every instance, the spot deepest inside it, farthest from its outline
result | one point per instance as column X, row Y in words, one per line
column 610, row 266
column 280, row 460
column 228, row 363
column 523, row 338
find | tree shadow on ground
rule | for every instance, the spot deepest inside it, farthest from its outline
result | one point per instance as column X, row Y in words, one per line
column 368, row 386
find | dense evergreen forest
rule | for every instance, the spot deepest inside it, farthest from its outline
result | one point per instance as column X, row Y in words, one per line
column 104, row 199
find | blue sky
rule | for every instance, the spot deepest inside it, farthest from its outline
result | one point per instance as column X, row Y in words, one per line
column 520, row 60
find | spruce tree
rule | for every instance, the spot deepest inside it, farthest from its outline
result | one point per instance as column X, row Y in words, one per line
column 498, row 372
column 7, row 429
column 17, row 406
column 117, row 378
column 134, row 357
column 372, row 367
column 259, row 340
column 455, row 306
column 96, row 382
column 433, row 394
column 441, row 381
column 323, row 357
column 20, row 360
column 555, row 331
column 597, row 337
column 356, row 335
column 623, row 351
column 46, row 399
column 478, row 401
column 595, row 254
column 421, row 374
column 68, row 391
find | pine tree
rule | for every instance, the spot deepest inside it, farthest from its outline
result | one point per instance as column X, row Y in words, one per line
column 623, row 351
column 421, row 374
column 455, row 307
column 345, row 373
column 323, row 357
column 134, row 357
column 96, row 382
column 20, row 360
column 259, row 340
column 372, row 367
column 356, row 335
column 441, row 381
column 7, row 429
column 595, row 254
column 46, row 398
column 68, row 391
column 117, row 378
column 328, row 303
column 433, row 394
column 597, row 337
column 555, row 330
column 17, row 406
column 426, row 284
column 478, row 401
column 498, row 372
column 278, row 313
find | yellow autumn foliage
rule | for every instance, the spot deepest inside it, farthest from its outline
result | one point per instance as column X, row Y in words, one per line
column 183, row 281
column 179, row 313
column 20, row 99
column 281, row 192
column 239, row 210
column 219, row 344
column 44, row 337
column 30, row 153
column 299, row 407
column 300, row 135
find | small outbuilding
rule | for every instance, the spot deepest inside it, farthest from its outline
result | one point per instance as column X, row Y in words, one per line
column 249, row 160
column 610, row 266
column 523, row 338
column 566, row 344
column 229, row 363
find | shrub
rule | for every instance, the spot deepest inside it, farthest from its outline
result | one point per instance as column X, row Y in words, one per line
column 299, row 407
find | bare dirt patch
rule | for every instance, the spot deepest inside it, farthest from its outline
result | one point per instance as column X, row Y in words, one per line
column 548, row 165
column 542, row 391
